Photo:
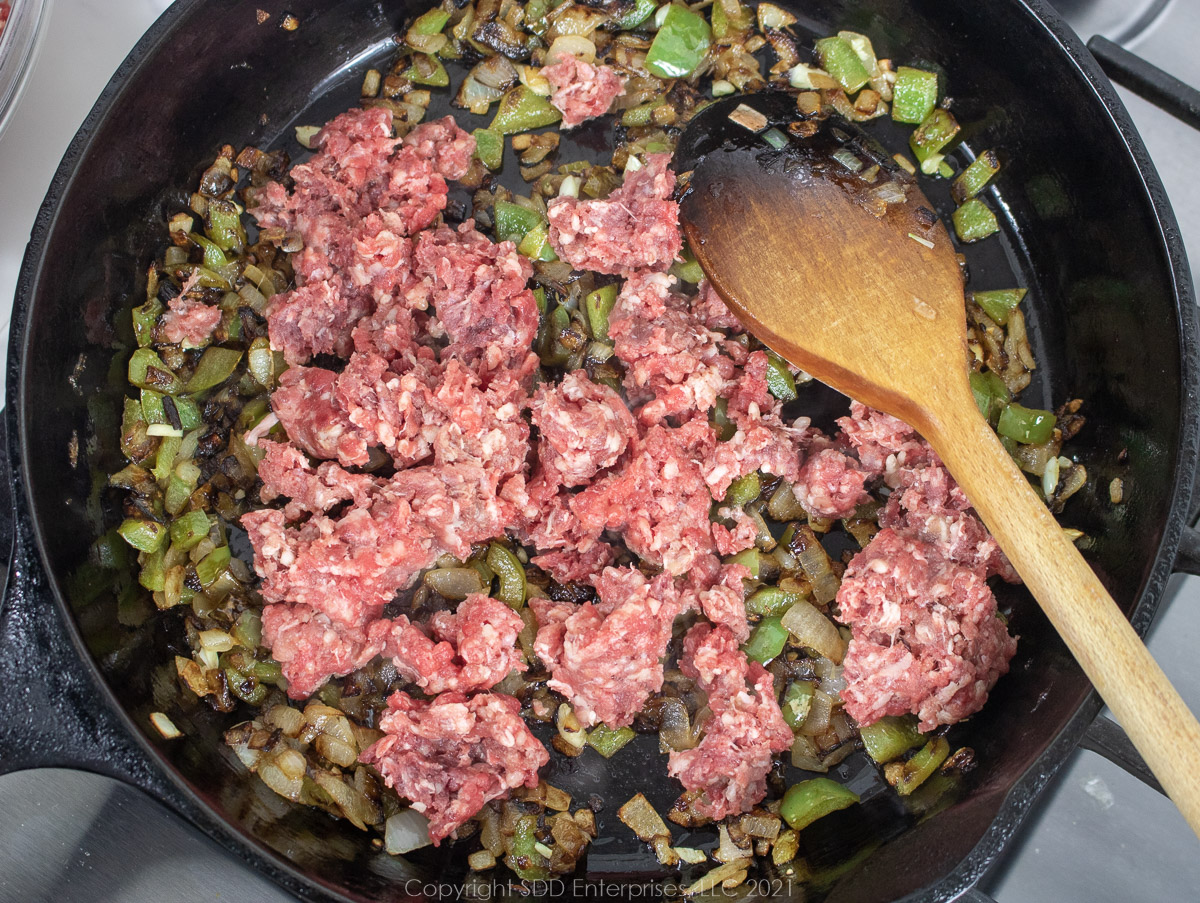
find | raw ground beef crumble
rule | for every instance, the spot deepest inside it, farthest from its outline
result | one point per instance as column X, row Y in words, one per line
column 433, row 326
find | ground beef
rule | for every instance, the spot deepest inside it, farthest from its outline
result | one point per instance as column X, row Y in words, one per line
column 831, row 484
column 635, row 228
column 188, row 322
column 482, row 426
column 658, row 500
column 316, row 318
column 926, row 636
column 719, row 592
column 480, row 293
column 452, row 755
column 285, row 471
column 311, row 648
column 674, row 365
column 572, row 566
column 584, row 427
column 582, row 91
column 305, row 405
column 606, row 658
column 472, row 648
column 391, row 407
column 710, row 309
column 443, row 144
column 885, row 444
column 731, row 763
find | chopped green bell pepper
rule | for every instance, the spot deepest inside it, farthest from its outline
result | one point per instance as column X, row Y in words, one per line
column 144, row 319
column 607, row 741
column 797, row 700
column 508, row 568
column 212, row 565
column 521, row 110
column 890, row 737
column 536, row 244
column 643, row 114
column 427, row 70
column 990, row 393
column 636, row 15
column 143, row 535
column 974, row 221
column 936, row 131
column 730, row 18
column 489, row 148
column 187, row 530
column 779, row 378
column 808, row 801
column 598, row 305
column 838, row 58
column 1028, row 426
column 513, row 222
column 771, row 601
column 767, row 640
column 681, row 44
column 975, row 177
column 750, row 559
column 147, row 371
column 743, row 490
column 914, row 95
column 924, row 763
column 688, row 269
column 998, row 304
column 216, row 366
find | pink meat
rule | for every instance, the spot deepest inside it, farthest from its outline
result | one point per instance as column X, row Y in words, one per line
column 452, row 755
column 445, row 145
column 305, row 404
column 483, row 426
column 316, row 318
column 285, row 471
column 582, row 91
column 391, row 405
column 731, row 763
column 658, row 500
column 188, row 322
column 885, row 444
column 926, row 637
column 712, row 311
column 673, row 363
column 472, row 648
column 311, row 648
column 584, row 427
column 480, row 293
column 572, row 566
column 636, row 227
column 831, row 484
column 606, row 658
column 719, row 592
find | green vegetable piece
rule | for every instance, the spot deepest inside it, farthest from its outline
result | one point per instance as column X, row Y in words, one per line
column 1028, row 426
column 637, row 15
column 164, row 460
column 975, row 177
column 641, row 115
column 147, row 371
column 429, row 72
column 521, row 110
column 180, row 486
column 508, row 568
column 779, row 378
column 808, row 801
column 244, row 687
column 607, row 741
column 144, row 319
column 890, row 737
column 188, row 529
column 430, row 23
column 681, row 44
column 523, row 856
column 797, row 700
column 990, row 393
column 936, row 131
column 743, row 490
column 213, row 565
column 214, row 257
column 489, row 147
column 1000, row 303
column 539, row 298
column 838, row 58
column 974, row 221
column 771, row 601
column 143, row 535
column 914, row 95
column 536, row 244
column 152, row 406
column 598, row 305
column 688, row 269
column 267, row 672
column 214, row 368
column 247, row 630
column 223, row 224
column 514, row 222
column 766, row 640
column 535, row 15
column 751, row 559
column 719, row 417
column 730, row 19
column 153, row 574
column 924, row 763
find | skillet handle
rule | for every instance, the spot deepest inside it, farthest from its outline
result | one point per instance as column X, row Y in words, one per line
column 51, row 712
column 1148, row 82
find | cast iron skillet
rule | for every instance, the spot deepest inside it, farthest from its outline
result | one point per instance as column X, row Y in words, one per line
column 1088, row 229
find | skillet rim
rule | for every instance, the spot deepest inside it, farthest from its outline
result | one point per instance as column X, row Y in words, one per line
column 1019, row 797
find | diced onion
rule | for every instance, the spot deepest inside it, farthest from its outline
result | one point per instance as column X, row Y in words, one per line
column 814, row 630
column 406, row 831
column 571, row 45
column 164, row 726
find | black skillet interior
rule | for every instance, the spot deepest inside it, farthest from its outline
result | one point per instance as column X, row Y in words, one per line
column 1080, row 232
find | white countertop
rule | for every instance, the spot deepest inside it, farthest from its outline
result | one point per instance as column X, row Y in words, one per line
column 1098, row 835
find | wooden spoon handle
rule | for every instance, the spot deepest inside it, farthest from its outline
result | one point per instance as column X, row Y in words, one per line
column 1120, row 667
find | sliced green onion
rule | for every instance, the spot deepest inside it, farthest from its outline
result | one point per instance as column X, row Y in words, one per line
column 810, row 800
column 681, row 44
column 914, row 95
column 1028, row 426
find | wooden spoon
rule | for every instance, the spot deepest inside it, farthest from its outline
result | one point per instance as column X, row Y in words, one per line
column 868, row 298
